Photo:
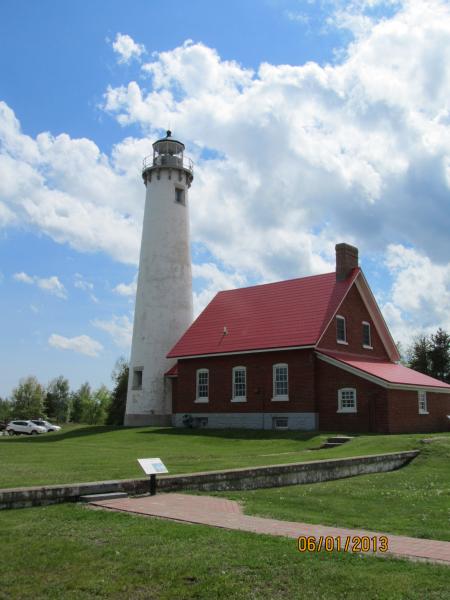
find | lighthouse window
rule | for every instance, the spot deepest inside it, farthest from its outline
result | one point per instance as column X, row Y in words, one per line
column 179, row 195
column 137, row 378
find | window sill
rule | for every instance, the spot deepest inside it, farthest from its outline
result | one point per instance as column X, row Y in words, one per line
column 423, row 412
column 280, row 399
column 367, row 347
column 347, row 411
column 342, row 342
column 238, row 399
column 201, row 401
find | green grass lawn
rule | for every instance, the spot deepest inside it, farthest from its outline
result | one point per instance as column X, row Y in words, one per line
column 82, row 453
column 414, row 500
column 71, row 552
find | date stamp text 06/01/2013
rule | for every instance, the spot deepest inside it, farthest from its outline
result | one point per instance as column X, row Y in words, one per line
column 355, row 543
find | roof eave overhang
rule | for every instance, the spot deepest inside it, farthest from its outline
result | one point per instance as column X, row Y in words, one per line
column 378, row 380
column 235, row 352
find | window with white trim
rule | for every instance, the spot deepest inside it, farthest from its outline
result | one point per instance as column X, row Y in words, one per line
column 423, row 408
column 366, row 335
column 280, row 382
column 239, row 384
column 341, row 331
column 202, row 385
column 346, row 400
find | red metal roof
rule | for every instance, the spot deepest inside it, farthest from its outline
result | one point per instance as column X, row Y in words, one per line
column 172, row 372
column 387, row 371
column 274, row 315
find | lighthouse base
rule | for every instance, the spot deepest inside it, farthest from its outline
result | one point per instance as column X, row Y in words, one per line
column 143, row 419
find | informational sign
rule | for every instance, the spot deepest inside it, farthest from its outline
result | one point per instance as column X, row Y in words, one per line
column 152, row 466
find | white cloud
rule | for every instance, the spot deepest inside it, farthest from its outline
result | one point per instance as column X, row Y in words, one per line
column 83, row 344
column 212, row 280
column 51, row 285
column 23, row 277
column 324, row 153
column 127, row 48
column 127, row 289
column 119, row 328
column 82, row 284
column 419, row 299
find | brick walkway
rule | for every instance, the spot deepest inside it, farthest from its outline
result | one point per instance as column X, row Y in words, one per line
column 220, row 512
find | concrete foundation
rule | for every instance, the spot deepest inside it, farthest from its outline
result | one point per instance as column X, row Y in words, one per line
column 297, row 421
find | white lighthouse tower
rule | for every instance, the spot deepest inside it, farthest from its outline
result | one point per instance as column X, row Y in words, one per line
column 164, row 291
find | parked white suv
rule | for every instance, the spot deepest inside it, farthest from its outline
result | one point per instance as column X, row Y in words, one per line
column 15, row 427
column 48, row 426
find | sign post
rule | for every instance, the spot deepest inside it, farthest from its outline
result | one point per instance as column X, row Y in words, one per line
column 152, row 466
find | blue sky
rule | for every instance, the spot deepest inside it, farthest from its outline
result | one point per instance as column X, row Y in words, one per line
column 309, row 123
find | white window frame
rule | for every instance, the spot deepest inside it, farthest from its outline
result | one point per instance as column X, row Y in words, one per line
column 234, row 397
column 341, row 399
column 279, row 397
column 422, row 402
column 201, row 399
column 344, row 341
column 369, row 345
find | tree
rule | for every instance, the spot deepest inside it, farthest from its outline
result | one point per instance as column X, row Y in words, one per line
column 431, row 355
column 57, row 400
column 28, row 399
column 403, row 357
column 116, row 411
column 95, row 410
column 419, row 355
column 5, row 410
column 440, row 355
column 80, row 401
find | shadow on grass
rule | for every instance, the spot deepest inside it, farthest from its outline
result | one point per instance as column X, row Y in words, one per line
column 235, row 434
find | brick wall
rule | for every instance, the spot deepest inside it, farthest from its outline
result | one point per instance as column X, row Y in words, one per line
column 371, row 401
column 404, row 412
column 259, row 383
column 355, row 312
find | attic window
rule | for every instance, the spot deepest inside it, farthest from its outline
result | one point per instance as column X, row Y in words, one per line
column 366, row 335
column 341, row 332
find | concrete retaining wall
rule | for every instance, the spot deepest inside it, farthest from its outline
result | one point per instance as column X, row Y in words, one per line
column 232, row 479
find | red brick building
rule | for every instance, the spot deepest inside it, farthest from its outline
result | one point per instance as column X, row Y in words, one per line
column 306, row 354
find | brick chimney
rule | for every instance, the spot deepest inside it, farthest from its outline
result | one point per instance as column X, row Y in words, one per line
column 346, row 260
